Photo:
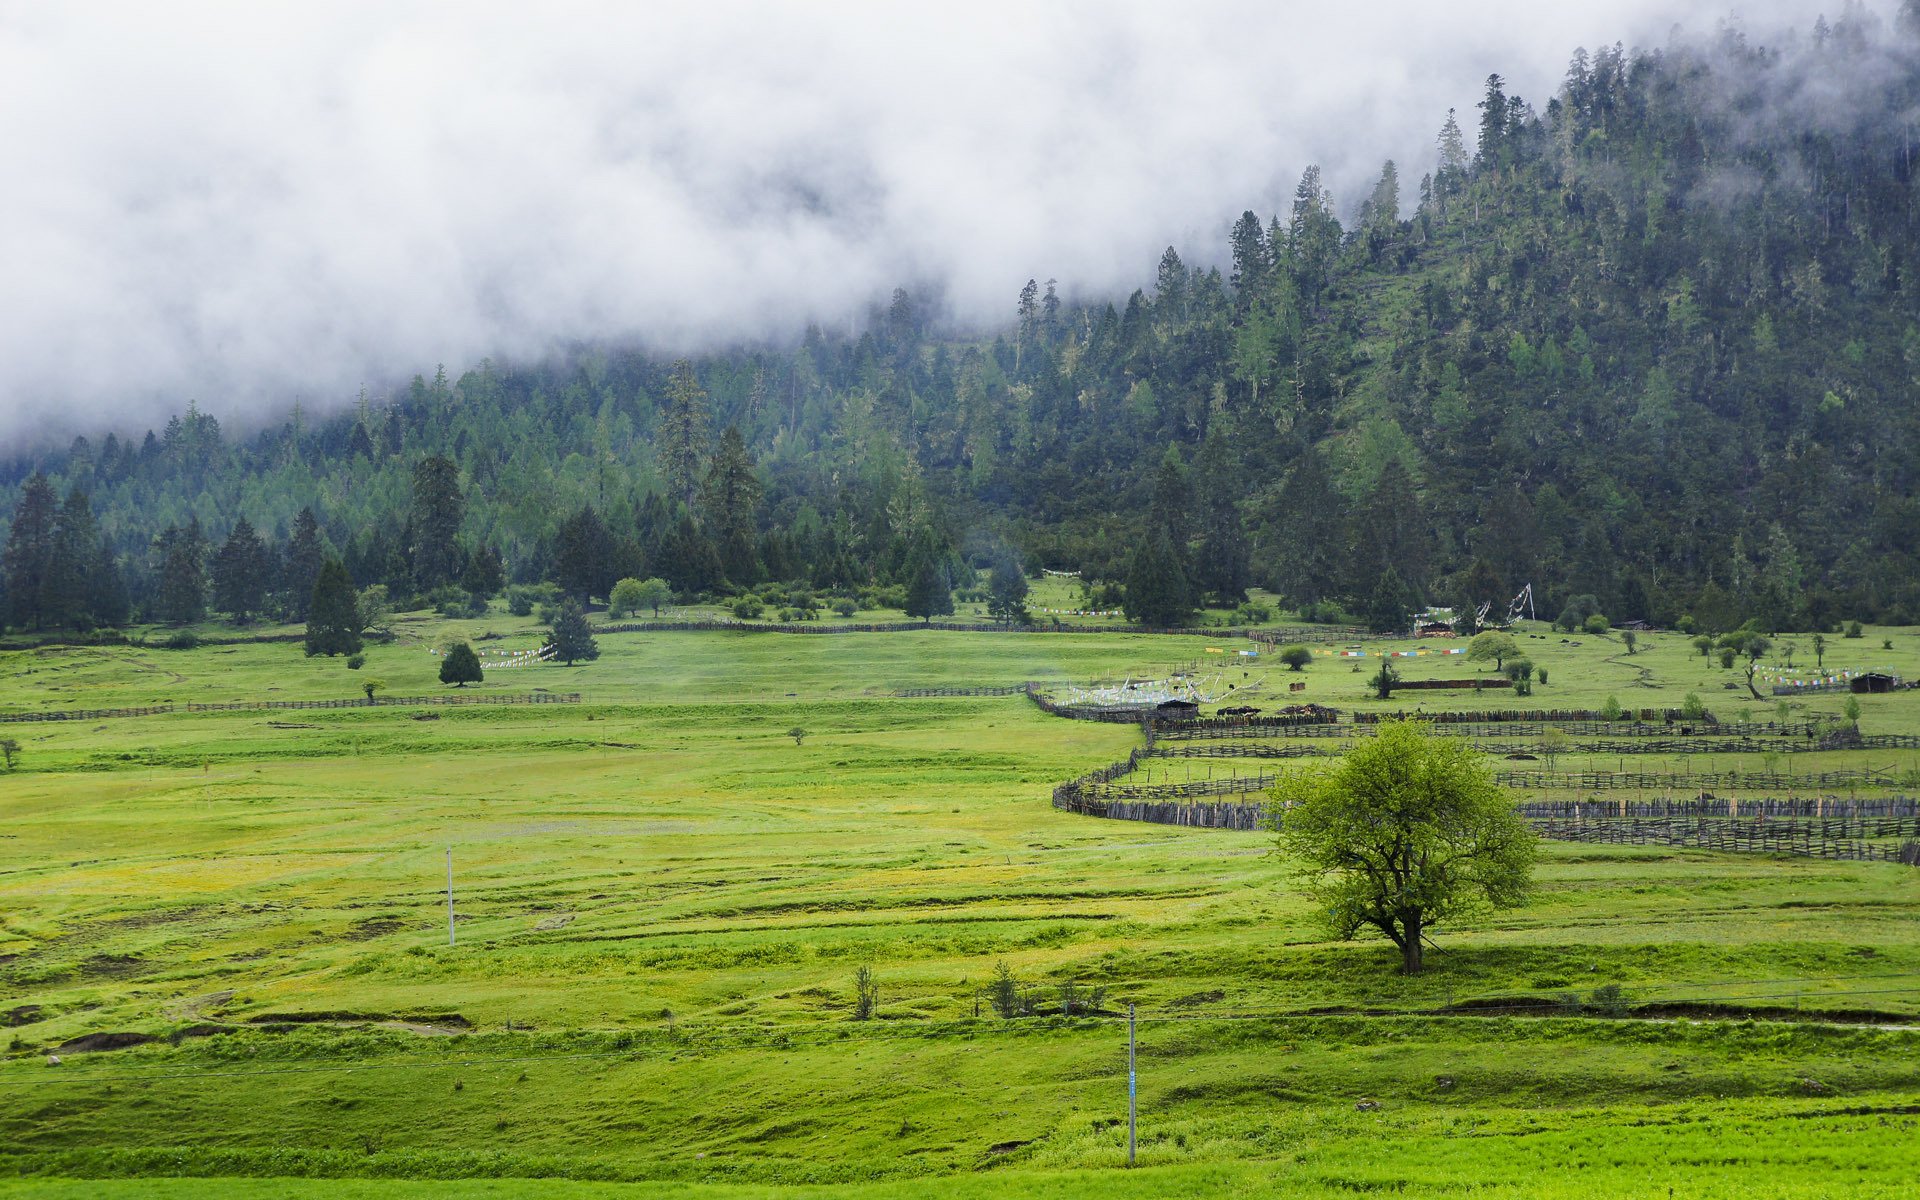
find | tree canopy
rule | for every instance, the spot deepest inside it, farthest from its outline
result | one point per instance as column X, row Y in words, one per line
column 1406, row 833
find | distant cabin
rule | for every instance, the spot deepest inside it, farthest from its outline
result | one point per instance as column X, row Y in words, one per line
column 1177, row 710
column 1873, row 682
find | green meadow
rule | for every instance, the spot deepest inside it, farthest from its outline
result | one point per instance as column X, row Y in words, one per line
column 661, row 898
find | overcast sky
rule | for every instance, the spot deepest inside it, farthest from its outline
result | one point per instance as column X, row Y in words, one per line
column 255, row 202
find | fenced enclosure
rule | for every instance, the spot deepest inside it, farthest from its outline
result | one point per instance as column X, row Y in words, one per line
column 438, row 701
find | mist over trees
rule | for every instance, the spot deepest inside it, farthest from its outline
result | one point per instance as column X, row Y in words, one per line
column 1651, row 342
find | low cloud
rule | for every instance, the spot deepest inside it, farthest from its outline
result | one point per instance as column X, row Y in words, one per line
column 250, row 204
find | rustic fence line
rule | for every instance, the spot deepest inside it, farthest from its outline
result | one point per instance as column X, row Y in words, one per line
column 1554, row 715
column 924, row 693
column 448, row 701
column 1816, row 839
column 1262, row 727
column 1285, row 635
column 1601, row 781
column 1177, row 746
column 1899, row 808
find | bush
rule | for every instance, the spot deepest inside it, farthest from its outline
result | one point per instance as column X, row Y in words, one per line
column 1693, row 708
column 1609, row 1001
column 183, row 640
column 845, row 607
column 1322, row 612
column 356, row 661
column 520, row 601
column 1610, row 711
column 1595, row 624
column 1854, row 630
column 1727, row 656
column 1296, row 657
column 1541, row 677
column 747, row 608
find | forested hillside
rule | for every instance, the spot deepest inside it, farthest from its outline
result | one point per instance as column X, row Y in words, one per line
column 1652, row 341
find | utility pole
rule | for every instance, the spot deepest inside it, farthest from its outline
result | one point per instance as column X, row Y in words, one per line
column 1132, row 1087
column 449, row 896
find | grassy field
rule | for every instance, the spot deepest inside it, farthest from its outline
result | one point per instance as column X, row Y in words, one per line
column 662, row 899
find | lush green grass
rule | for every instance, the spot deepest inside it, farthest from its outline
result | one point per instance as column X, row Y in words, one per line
column 663, row 899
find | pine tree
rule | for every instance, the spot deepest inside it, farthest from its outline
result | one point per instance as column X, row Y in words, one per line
column 730, row 500
column 1221, row 567
column 682, row 441
column 485, row 575
column 1309, row 544
column 240, row 572
column 108, row 588
column 1157, row 594
column 182, row 554
column 570, row 637
column 333, row 612
column 65, row 598
column 583, row 555
column 1252, row 258
column 928, row 593
column 460, row 666
column 29, row 546
column 304, row 556
column 1390, row 603
column 1007, row 589
column 438, row 509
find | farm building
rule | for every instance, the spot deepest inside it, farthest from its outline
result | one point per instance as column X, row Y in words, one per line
column 1873, row 681
column 1177, row 709
column 1434, row 622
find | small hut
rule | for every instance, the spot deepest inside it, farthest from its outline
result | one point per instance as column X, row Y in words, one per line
column 1176, row 710
column 1873, row 682
column 1434, row 622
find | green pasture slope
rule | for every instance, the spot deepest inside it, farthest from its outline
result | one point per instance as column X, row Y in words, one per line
column 662, row 901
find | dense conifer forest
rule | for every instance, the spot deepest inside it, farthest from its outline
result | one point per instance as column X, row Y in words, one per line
column 1650, row 345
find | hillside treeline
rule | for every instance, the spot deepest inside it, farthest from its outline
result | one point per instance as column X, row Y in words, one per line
column 1651, row 344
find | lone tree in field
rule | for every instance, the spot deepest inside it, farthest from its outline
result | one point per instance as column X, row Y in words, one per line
column 629, row 596
column 460, row 667
column 1494, row 645
column 1407, row 832
column 928, row 595
column 333, row 613
column 1384, row 680
column 1296, row 657
column 797, row 734
column 10, row 750
column 570, row 638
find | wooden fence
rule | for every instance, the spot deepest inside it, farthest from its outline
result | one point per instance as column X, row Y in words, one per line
column 1285, row 635
column 923, row 693
column 1601, row 781
column 1830, row 839
column 1261, row 727
column 437, row 701
column 1537, row 716
column 1894, row 808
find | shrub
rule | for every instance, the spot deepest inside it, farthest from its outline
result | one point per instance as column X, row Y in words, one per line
column 356, row 661
column 1541, row 677
column 520, row 601
column 1595, row 624
column 1610, row 711
column 1854, row 630
column 1004, row 993
column 845, row 607
column 182, row 640
column 866, row 993
column 1609, row 1001
column 1693, row 708
column 1726, row 657
column 1296, row 657
column 747, row 608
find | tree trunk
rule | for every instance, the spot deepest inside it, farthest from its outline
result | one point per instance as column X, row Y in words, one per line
column 1411, row 947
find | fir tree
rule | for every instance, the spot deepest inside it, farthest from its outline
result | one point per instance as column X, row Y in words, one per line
column 583, row 563
column 333, row 612
column 1007, row 590
column 682, row 442
column 928, row 593
column 240, row 572
column 182, row 554
column 1157, row 592
column 29, row 547
column 438, row 509
column 304, row 555
column 570, row 637
column 730, row 499
column 65, row 594
column 460, row 666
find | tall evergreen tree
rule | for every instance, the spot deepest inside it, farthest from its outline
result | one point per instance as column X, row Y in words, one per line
column 240, row 572
column 29, row 547
column 1221, row 565
column 460, row 666
column 181, row 551
column 682, row 443
column 583, row 560
column 730, row 500
column 1157, row 594
column 439, row 507
column 928, row 593
column 65, row 591
column 333, row 612
column 305, row 552
column 108, row 588
column 571, row 638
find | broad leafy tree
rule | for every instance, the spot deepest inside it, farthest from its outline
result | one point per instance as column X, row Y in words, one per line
column 1407, row 833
